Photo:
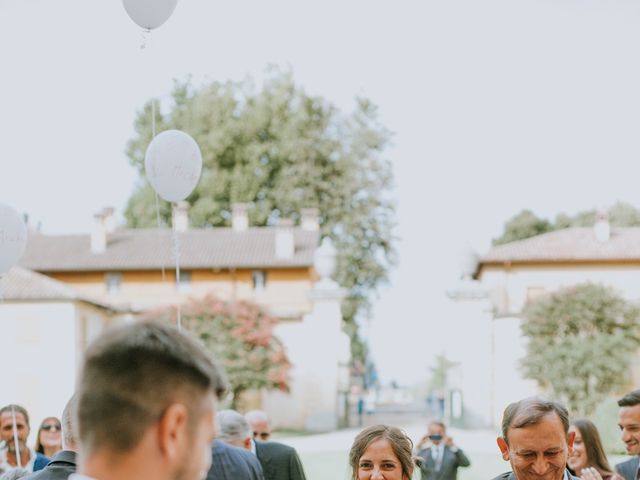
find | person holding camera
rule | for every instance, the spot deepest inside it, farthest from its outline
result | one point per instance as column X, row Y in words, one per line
column 440, row 457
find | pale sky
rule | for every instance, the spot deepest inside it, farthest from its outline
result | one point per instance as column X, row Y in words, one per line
column 496, row 105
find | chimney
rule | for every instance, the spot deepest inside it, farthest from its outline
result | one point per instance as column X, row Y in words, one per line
column 99, row 234
column 285, row 245
column 602, row 229
column 239, row 217
column 180, row 216
column 310, row 219
column 109, row 219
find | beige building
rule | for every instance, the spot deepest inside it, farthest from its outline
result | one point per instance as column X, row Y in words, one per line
column 510, row 275
column 274, row 266
column 45, row 327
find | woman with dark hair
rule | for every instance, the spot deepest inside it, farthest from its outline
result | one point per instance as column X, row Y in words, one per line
column 49, row 437
column 381, row 450
column 588, row 460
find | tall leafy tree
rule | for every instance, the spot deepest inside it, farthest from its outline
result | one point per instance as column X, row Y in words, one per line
column 280, row 150
column 581, row 342
column 523, row 225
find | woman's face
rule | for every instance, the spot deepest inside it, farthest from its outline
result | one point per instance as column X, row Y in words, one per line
column 578, row 458
column 50, row 434
column 378, row 462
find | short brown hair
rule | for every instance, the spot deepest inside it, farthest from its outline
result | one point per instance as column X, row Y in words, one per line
column 631, row 399
column 401, row 445
column 530, row 411
column 131, row 374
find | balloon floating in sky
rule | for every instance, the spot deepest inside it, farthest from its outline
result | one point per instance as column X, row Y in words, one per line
column 173, row 164
column 13, row 237
column 149, row 14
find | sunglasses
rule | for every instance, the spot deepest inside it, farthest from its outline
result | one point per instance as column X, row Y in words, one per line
column 262, row 435
column 50, row 427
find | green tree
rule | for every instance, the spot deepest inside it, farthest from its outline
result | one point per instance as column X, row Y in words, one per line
column 240, row 337
column 281, row 150
column 524, row 225
column 581, row 341
column 440, row 373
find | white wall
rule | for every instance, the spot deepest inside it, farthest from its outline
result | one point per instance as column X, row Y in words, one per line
column 39, row 358
column 315, row 346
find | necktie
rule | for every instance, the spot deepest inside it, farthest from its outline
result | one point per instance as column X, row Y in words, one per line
column 437, row 456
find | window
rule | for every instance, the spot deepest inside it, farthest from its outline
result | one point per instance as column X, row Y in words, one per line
column 259, row 279
column 185, row 282
column 113, row 281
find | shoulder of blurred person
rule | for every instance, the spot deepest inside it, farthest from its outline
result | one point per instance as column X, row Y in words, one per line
column 628, row 468
column 279, row 461
column 60, row 467
column 233, row 463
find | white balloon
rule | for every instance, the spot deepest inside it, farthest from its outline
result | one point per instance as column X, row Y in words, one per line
column 173, row 164
column 149, row 14
column 13, row 237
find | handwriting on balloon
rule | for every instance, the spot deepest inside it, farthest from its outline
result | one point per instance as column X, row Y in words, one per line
column 185, row 173
column 11, row 237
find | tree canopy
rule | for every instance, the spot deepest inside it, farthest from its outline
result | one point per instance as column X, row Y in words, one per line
column 280, row 150
column 240, row 337
column 526, row 224
column 581, row 342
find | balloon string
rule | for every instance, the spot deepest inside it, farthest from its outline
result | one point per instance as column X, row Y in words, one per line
column 176, row 252
column 153, row 118
column 146, row 36
column 15, row 437
column 159, row 237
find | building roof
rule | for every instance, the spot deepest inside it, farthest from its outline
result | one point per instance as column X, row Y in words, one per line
column 572, row 245
column 151, row 249
column 20, row 284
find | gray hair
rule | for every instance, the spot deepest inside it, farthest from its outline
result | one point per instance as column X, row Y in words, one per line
column 257, row 416
column 68, row 427
column 232, row 426
column 530, row 411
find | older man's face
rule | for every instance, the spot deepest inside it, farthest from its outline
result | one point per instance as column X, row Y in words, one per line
column 6, row 430
column 538, row 452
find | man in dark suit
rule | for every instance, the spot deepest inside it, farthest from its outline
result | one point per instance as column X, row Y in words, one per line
column 440, row 457
column 63, row 463
column 232, row 463
column 629, row 422
column 279, row 461
column 536, row 440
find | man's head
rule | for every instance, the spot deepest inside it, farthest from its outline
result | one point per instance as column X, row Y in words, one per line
column 68, row 428
column 233, row 428
column 260, row 424
column 629, row 421
column 437, row 431
column 535, row 439
column 7, row 415
column 148, row 389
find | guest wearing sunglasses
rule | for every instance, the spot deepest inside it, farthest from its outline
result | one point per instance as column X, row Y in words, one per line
column 62, row 463
column 49, row 438
column 279, row 461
